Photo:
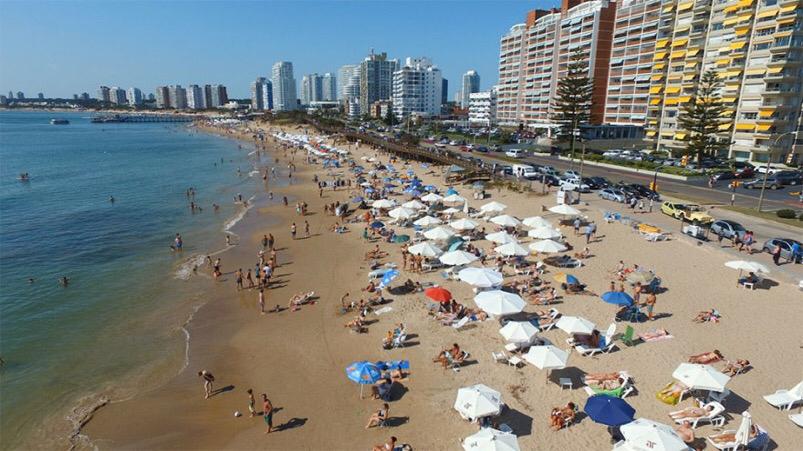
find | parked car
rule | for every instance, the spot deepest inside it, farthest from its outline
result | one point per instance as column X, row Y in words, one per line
column 514, row 153
column 789, row 177
column 612, row 194
column 686, row 212
column 548, row 170
column 771, row 183
column 786, row 247
column 744, row 172
column 571, row 174
column 573, row 184
column 551, row 180
column 643, row 191
column 602, row 182
column 719, row 176
column 727, row 229
column 592, row 183
column 482, row 149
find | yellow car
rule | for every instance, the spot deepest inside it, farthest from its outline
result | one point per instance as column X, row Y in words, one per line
column 686, row 212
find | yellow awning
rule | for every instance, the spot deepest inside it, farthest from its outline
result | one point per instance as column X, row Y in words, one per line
column 685, row 6
column 659, row 55
column 672, row 101
column 675, row 76
column 783, row 34
column 658, row 66
column 755, row 71
column 765, row 113
column 690, row 63
column 651, row 133
column 766, row 14
column 680, row 135
column 787, row 9
column 726, row 113
column 692, row 52
column 732, row 73
column 667, row 134
column 682, row 28
column 679, row 42
column 745, row 127
column 668, row 8
column 653, row 121
column 737, row 45
column 655, row 101
column 684, row 99
column 656, row 77
column 688, row 77
column 678, row 54
column 673, row 90
column 744, row 17
column 730, row 21
column 742, row 31
column 723, row 61
column 661, row 44
column 786, row 21
column 729, row 99
column 774, row 70
column 656, row 89
column 724, row 126
column 763, row 127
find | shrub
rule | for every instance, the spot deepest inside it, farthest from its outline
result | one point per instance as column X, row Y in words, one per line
column 786, row 213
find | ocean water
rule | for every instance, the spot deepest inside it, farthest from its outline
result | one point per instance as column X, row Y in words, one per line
column 117, row 327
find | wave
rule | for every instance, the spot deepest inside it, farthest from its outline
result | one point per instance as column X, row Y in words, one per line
column 253, row 173
column 238, row 217
column 187, row 268
column 185, row 329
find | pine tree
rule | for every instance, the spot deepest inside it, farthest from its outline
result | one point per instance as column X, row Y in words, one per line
column 572, row 103
column 390, row 118
column 702, row 117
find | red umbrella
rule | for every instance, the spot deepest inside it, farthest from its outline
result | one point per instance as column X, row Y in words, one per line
column 438, row 294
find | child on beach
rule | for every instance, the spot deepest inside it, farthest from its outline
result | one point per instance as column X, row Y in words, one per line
column 208, row 379
column 251, row 402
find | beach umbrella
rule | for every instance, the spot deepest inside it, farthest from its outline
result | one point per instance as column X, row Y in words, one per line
column 488, row 439
column 450, row 191
column 365, row 184
column 547, row 246
column 427, row 221
column 439, row 233
column 402, row 213
column 450, row 211
column 743, row 265
column 511, row 249
column 357, row 199
column 648, row 435
column 518, row 331
column 505, row 221
column 568, row 279
column 413, row 192
column 454, row 199
column 575, row 325
column 463, row 224
column 609, row 410
column 478, row 401
column 743, row 433
column 363, row 373
column 501, row 237
column 617, row 298
column 480, row 277
column 431, row 198
column 642, row 277
column 547, row 357
column 499, row 303
column 426, row 249
column 456, row 258
column 536, row 222
column 414, row 205
column 563, row 209
column 430, row 188
column 383, row 203
column 377, row 225
column 388, row 277
column 545, row 233
column 493, row 207
column 438, row 294
column 701, row 377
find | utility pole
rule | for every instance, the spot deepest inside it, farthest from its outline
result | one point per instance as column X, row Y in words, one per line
column 580, row 181
column 767, row 171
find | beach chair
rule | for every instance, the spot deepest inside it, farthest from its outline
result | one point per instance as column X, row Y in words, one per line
column 715, row 417
column 591, row 352
column 499, row 357
column 786, row 399
column 398, row 341
column 619, row 392
column 797, row 418
column 553, row 315
column 458, row 325
column 760, row 441
column 628, row 337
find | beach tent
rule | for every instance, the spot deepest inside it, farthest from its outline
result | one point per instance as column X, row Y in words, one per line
column 536, row 222
column 609, row 410
column 499, row 303
column 478, row 401
column 488, row 439
column 511, row 249
column 480, row 277
column 427, row 221
column 575, row 325
column 454, row 199
column 701, row 377
column 493, row 207
column 565, row 210
column 457, row 258
column 384, row 203
column 501, row 238
column 439, row 233
column 518, row 331
column 426, row 249
column 648, row 435
column 363, row 373
column 505, row 221
column 545, row 233
column 547, row 246
column 463, row 224
column 414, row 205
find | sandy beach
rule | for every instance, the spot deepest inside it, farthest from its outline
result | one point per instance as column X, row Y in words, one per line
column 298, row 357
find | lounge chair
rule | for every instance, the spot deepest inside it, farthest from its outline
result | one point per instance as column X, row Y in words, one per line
column 672, row 400
column 786, row 399
column 628, row 337
column 454, row 364
column 553, row 316
column 715, row 417
column 499, row 357
column 760, row 441
column 718, row 397
column 590, row 352
column 797, row 418
column 619, row 392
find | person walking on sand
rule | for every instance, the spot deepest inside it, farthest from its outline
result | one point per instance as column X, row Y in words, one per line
column 208, row 379
column 264, row 242
column 251, row 403
column 238, row 278
column 776, row 255
column 249, row 279
column 293, row 230
column 576, row 225
column 267, row 413
column 270, row 241
column 262, row 301
column 306, row 229
column 650, row 305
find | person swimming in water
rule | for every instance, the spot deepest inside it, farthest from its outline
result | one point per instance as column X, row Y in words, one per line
column 64, row 281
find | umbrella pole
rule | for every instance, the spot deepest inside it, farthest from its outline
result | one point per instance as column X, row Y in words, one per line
column 361, row 385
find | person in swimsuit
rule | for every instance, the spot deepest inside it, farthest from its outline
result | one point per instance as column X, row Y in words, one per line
column 378, row 417
column 267, row 413
column 262, row 301
column 251, row 403
column 208, row 379
column 389, row 446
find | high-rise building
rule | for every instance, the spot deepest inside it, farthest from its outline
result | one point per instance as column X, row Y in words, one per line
column 74, row 96
column 444, row 91
column 196, row 100
column 267, row 95
column 134, row 96
column 258, row 94
column 376, row 79
column 311, row 89
column 284, row 86
column 417, row 88
column 85, row 96
column 163, row 97
column 20, row 95
column 40, row 96
column 178, row 97
column 343, row 76
column 329, row 87
column 482, row 108
column 218, row 97
column 3, row 100
column 208, row 96
column 10, row 95
column 117, row 96
column 471, row 84
column 351, row 90
column 103, row 94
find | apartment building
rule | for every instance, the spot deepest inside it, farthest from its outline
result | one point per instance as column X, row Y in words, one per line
column 482, row 108
column 417, row 89
column 376, row 79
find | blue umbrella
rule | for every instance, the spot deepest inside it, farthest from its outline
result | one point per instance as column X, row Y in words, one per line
column 357, row 199
column 369, row 190
column 363, row 373
column 617, row 298
column 388, row 277
column 609, row 410
column 431, row 188
column 377, row 225
column 451, row 191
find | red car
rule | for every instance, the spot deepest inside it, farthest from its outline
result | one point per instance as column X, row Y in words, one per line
column 744, row 173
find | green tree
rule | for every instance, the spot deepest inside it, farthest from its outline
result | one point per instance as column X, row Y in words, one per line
column 572, row 102
column 390, row 118
column 702, row 117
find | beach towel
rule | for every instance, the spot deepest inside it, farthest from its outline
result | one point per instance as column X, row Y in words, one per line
column 383, row 310
column 660, row 338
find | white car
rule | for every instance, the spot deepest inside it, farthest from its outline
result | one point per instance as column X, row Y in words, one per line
column 571, row 175
column 452, row 143
column 573, row 185
column 612, row 194
column 514, row 153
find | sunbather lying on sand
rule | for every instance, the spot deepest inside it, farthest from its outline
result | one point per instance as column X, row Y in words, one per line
column 730, row 437
column 733, row 368
column 654, row 334
column 672, row 390
column 356, row 324
column 546, row 298
column 376, row 253
column 600, row 378
column 706, row 357
column 685, row 432
column 708, row 315
column 561, row 416
column 692, row 412
column 300, row 298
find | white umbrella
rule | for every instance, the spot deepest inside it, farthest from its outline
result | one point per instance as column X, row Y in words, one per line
column 545, row 233
column 506, row 221
column 575, row 325
column 402, row 213
column 536, row 221
column 383, row 203
column 458, row 257
column 450, row 211
column 547, row 357
column 743, row 265
column 488, row 439
column 501, row 238
column 480, row 277
column 432, row 198
column 478, row 401
column 499, row 302
column 463, row 224
column 439, row 233
column 648, row 435
column 743, row 433
column 414, row 205
column 427, row 221
column 518, row 331
column 493, row 207
column 454, row 198
column 563, row 209
column 701, row 377
column 547, row 246
column 426, row 249
column 511, row 249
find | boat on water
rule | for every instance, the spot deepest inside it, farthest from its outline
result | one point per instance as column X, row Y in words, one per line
column 59, row 121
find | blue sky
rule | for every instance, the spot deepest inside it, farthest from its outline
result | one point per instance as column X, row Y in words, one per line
column 67, row 47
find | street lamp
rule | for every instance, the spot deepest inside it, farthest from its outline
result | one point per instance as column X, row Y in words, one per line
column 767, row 171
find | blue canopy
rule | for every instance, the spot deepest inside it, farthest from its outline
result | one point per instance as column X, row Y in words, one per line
column 363, row 372
column 617, row 298
column 451, row 191
column 431, row 188
column 388, row 277
column 377, row 225
column 609, row 410
column 369, row 190
column 393, row 365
